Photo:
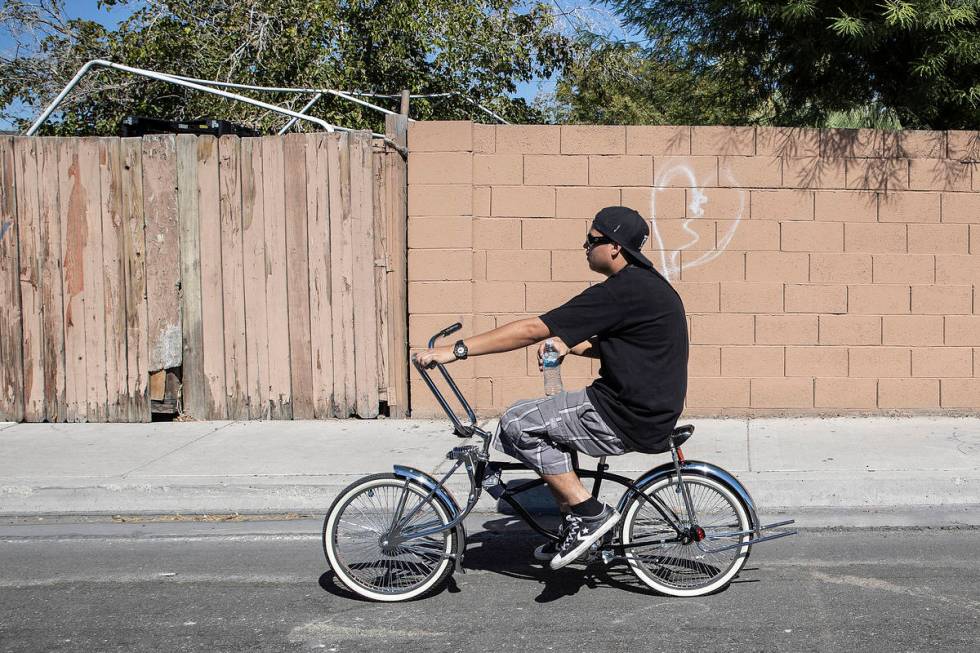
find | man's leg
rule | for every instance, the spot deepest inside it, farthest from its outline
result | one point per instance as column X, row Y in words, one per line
column 567, row 489
column 539, row 432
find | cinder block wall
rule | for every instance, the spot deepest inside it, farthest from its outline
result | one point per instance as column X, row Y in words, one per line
column 823, row 271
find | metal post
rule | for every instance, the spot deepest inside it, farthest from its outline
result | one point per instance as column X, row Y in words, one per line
column 404, row 106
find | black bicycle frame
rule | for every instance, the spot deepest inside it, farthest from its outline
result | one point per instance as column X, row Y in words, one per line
column 477, row 475
column 599, row 476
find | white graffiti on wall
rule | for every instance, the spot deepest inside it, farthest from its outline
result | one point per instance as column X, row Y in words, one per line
column 698, row 200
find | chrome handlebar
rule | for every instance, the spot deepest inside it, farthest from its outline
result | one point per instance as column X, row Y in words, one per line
column 461, row 429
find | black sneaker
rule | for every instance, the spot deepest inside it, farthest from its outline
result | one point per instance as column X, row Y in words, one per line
column 549, row 549
column 580, row 533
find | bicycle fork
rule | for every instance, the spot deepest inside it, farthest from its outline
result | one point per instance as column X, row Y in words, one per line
column 695, row 532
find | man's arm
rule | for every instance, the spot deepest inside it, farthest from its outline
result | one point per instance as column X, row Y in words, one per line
column 587, row 349
column 513, row 335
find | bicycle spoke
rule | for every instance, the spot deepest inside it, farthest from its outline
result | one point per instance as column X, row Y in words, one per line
column 680, row 564
column 363, row 524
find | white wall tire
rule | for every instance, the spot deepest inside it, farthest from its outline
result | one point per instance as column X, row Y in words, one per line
column 639, row 558
column 385, row 482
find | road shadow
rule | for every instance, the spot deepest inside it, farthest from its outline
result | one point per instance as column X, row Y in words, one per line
column 506, row 547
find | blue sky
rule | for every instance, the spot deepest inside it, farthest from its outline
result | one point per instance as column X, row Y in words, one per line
column 579, row 14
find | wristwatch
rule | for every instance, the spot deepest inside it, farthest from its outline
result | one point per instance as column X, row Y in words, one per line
column 460, row 351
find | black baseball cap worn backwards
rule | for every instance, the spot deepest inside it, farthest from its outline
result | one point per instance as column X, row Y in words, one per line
column 627, row 228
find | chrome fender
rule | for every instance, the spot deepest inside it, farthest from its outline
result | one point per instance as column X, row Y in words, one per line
column 701, row 469
column 447, row 500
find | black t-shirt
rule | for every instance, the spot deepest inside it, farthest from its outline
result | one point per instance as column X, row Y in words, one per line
column 638, row 321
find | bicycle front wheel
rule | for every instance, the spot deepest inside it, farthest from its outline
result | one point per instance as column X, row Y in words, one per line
column 356, row 531
column 683, row 566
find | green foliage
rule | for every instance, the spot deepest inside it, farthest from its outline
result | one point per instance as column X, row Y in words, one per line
column 871, row 116
column 797, row 62
column 623, row 83
column 479, row 48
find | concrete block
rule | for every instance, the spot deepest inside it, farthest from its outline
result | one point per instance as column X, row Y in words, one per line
column 787, row 141
column 913, row 330
column 782, row 393
column 528, row 139
column 498, row 169
column 912, row 206
column 875, row 237
column 786, row 329
column 847, row 268
column 874, row 362
column 750, row 171
column 821, row 361
column 658, row 140
column 788, row 267
column 904, row 268
column 723, row 140
column 440, row 136
column 782, row 205
column 814, row 172
column 846, row 206
column 523, row 201
column 593, row 139
column 556, row 170
column 812, row 236
column 850, row 330
column 878, row 299
column 815, row 298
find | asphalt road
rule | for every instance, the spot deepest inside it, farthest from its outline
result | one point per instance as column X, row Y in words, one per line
column 264, row 586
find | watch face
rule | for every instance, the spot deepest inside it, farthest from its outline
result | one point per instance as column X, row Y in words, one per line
column 460, row 350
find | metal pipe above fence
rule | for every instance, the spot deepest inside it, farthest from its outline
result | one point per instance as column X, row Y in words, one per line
column 180, row 81
column 171, row 80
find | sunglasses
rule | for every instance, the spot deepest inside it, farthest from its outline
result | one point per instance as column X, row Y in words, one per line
column 593, row 241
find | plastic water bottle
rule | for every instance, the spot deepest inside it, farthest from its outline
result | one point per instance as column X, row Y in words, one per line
column 551, row 363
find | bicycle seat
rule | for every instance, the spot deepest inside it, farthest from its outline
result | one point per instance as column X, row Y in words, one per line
column 681, row 434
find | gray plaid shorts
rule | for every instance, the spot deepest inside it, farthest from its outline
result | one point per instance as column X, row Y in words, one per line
column 541, row 432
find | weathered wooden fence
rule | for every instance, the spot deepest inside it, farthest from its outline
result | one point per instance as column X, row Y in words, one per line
column 269, row 270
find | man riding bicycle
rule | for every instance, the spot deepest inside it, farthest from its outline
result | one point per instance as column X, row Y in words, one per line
column 634, row 323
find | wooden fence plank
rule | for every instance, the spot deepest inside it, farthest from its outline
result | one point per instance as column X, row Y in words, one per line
column 274, row 210
column 365, row 307
column 134, row 281
column 232, row 276
column 318, row 224
column 94, row 283
column 113, row 269
column 192, row 379
column 73, row 235
column 298, row 272
column 163, row 283
column 29, row 252
column 53, row 331
column 11, row 353
column 396, row 190
column 341, row 274
column 380, row 204
column 212, row 310
column 253, row 245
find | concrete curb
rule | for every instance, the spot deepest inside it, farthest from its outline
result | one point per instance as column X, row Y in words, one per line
column 867, row 471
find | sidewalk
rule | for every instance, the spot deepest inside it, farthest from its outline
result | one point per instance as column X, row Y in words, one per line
column 841, row 471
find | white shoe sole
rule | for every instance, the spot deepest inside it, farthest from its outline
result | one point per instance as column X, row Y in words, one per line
column 558, row 562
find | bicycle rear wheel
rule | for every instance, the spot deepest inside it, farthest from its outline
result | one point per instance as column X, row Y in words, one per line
column 686, row 567
column 357, row 526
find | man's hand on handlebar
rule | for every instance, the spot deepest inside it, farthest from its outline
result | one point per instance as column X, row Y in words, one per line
column 429, row 357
